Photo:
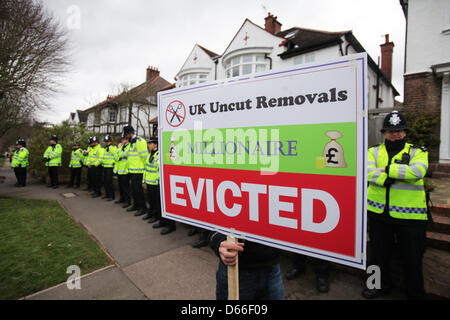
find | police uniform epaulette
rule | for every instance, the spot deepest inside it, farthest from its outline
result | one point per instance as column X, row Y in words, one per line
column 419, row 147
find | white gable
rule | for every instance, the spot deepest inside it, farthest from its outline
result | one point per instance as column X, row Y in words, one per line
column 198, row 61
column 250, row 37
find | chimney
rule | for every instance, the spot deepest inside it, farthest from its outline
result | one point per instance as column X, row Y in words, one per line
column 386, row 56
column 272, row 25
column 152, row 73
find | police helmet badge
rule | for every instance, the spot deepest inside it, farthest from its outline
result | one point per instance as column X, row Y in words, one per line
column 394, row 119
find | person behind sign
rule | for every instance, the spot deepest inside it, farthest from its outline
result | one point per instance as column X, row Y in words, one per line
column 321, row 269
column 259, row 269
column 397, row 206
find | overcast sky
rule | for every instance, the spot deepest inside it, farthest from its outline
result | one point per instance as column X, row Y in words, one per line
column 114, row 41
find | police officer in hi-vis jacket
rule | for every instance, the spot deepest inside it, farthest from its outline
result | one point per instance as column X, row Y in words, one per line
column 19, row 163
column 397, row 206
column 108, row 161
column 52, row 157
column 75, row 165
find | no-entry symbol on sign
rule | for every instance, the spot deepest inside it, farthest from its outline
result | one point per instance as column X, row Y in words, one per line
column 175, row 113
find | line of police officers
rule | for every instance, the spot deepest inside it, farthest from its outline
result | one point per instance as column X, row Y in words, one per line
column 135, row 162
column 396, row 200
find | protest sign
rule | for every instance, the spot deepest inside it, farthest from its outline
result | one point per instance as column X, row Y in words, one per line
column 277, row 157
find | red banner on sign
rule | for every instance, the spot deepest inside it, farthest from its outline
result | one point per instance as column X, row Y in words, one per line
column 315, row 211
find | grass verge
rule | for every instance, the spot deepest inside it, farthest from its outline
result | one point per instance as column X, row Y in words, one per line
column 38, row 241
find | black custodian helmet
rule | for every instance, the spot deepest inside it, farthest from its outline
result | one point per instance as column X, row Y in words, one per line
column 108, row 138
column 128, row 129
column 21, row 142
column 54, row 137
column 153, row 140
column 394, row 121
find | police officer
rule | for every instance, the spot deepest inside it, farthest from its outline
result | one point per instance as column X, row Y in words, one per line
column 137, row 156
column 121, row 169
column 20, row 163
column 108, row 160
column 397, row 206
column 90, row 171
column 52, row 157
column 75, row 165
column 95, row 165
column 151, row 179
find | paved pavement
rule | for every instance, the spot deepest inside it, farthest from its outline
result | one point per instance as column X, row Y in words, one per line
column 147, row 265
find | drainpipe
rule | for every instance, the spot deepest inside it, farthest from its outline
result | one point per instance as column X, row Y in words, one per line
column 266, row 56
column 215, row 72
column 378, row 84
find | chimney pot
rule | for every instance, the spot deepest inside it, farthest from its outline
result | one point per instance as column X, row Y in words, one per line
column 272, row 25
column 152, row 73
column 387, row 49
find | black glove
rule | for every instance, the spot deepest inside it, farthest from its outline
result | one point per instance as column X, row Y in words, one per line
column 388, row 182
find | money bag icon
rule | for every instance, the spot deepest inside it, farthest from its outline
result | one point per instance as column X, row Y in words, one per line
column 333, row 151
column 172, row 150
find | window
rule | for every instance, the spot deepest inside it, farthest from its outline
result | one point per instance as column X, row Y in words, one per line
column 112, row 115
column 123, row 114
column 193, row 78
column 97, row 117
column 309, row 57
column 245, row 64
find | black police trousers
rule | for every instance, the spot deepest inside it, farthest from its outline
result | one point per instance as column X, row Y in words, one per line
column 124, row 187
column 90, row 178
column 97, row 179
column 21, row 175
column 53, row 173
column 108, row 182
column 154, row 200
column 137, row 191
column 75, row 176
column 411, row 239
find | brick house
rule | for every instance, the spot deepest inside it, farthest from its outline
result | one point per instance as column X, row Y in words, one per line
column 427, row 64
column 135, row 107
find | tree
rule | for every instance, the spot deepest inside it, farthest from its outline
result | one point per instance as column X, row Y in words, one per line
column 33, row 57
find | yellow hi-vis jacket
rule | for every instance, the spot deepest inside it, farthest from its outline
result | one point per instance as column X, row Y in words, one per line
column 407, row 199
column 136, row 154
column 109, row 155
column 54, row 154
column 151, row 173
column 94, row 157
column 76, row 158
column 20, row 158
column 121, row 161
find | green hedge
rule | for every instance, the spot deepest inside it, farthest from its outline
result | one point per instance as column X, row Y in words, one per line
column 422, row 131
column 67, row 134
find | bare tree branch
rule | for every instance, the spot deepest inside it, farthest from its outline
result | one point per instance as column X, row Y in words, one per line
column 33, row 57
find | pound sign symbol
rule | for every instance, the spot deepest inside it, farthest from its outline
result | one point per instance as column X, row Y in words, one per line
column 330, row 155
